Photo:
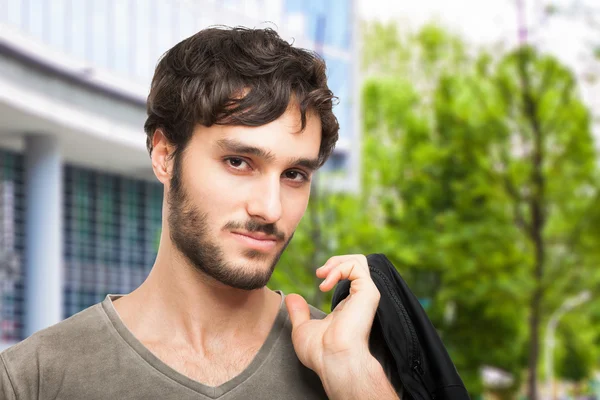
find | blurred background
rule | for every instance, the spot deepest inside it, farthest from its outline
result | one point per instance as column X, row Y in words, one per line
column 468, row 154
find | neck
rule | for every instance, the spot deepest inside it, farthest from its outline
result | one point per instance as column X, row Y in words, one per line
column 179, row 304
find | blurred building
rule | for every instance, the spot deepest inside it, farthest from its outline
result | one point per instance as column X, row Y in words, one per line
column 80, row 210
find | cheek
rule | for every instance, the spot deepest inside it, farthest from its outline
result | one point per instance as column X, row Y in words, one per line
column 295, row 207
column 213, row 194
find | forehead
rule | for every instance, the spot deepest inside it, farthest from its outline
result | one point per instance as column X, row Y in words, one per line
column 282, row 138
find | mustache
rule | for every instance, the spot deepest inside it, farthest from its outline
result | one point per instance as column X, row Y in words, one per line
column 255, row 226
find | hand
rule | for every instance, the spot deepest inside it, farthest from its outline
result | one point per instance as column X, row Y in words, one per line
column 341, row 338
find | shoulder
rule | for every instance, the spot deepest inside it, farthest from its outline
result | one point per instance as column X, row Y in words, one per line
column 53, row 347
column 61, row 336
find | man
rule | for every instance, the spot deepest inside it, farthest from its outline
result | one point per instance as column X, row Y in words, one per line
column 238, row 121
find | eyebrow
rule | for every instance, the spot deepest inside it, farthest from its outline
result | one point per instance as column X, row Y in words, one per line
column 311, row 164
column 235, row 146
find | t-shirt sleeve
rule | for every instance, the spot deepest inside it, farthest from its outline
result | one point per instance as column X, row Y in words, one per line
column 7, row 391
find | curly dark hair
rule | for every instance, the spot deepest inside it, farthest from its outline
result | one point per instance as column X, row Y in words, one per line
column 237, row 76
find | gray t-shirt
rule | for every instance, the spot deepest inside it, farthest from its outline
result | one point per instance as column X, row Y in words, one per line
column 92, row 355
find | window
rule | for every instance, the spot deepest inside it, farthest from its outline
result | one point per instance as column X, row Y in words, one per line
column 11, row 246
column 112, row 227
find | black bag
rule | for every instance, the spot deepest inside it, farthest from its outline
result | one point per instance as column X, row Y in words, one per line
column 424, row 368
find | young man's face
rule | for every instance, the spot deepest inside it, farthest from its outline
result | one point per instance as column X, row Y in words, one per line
column 240, row 195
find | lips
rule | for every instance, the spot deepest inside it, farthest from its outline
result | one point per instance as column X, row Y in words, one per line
column 257, row 236
column 255, row 240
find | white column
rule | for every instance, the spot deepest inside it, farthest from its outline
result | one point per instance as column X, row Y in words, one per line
column 43, row 233
column 355, row 169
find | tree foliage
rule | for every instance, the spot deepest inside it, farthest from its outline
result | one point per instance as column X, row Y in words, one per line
column 576, row 352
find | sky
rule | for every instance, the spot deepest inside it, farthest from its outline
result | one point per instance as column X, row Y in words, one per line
column 479, row 20
column 489, row 21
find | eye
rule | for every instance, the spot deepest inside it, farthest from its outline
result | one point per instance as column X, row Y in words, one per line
column 236, row 162
column 295, row 176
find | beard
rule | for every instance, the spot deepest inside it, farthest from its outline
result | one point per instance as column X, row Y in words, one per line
column 190, row 233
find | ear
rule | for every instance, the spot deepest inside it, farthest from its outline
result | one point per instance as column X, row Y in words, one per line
column 161, row 162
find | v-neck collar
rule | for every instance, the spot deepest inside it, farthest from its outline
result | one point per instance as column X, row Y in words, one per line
column 209, row 391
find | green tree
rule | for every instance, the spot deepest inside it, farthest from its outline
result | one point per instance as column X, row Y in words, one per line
column 576, row 361
column 484, row 170
column 552, row 183
column 441, row 203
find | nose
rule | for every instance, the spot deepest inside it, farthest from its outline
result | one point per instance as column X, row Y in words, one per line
column 265, row 200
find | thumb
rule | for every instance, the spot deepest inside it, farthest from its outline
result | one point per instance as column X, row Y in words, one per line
column 297, row 309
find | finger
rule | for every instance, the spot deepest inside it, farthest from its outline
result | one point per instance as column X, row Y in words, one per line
column 360, row 305
column 334, row 261
column 297, row 309
column 352, row 270
column 332, row 278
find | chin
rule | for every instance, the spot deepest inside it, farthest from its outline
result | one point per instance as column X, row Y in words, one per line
column 258, row 256
column 249, row 279
column 255, row 263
